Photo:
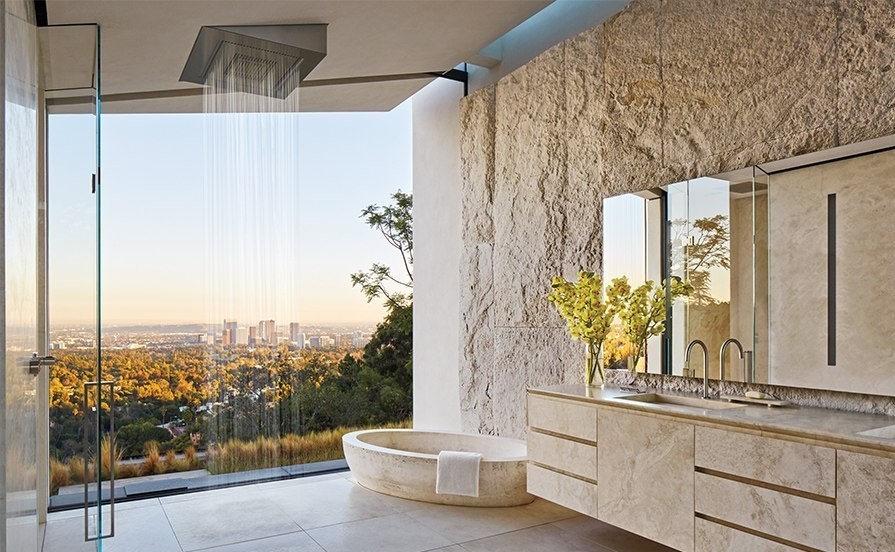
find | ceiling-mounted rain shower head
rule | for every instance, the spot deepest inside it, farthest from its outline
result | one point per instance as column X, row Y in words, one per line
column 261, row 59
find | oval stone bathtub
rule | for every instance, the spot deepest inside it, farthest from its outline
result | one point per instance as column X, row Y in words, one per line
column 402, row 463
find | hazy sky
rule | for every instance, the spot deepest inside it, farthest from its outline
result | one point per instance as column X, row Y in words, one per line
column 153, row 215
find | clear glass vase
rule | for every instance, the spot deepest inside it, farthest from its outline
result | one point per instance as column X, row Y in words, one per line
column 593, row 373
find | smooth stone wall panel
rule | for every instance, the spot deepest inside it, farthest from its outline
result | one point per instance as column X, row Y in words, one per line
column 799, row 253
column 650, row 489
column 794, row 518
column 570, row 492
column 793, row 465
column 865, row 502
column 567, row 456
column 563, row 417
column 712, row 537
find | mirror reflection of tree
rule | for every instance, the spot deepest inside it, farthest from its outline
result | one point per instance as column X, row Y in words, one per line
column 700, row 249
column 696, row 249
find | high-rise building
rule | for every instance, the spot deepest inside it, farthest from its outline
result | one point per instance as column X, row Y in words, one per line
column 242, row 336
column 294, row 330
column 230, row 326
column 267, row 331
column 226, row 337
column 300, row 341
column 253, row 335
column 315, row 342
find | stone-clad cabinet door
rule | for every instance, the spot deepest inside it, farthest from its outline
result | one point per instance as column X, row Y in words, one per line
column 646, row 476
column 865, row 502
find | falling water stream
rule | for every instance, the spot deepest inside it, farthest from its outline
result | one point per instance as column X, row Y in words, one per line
column 251, row 205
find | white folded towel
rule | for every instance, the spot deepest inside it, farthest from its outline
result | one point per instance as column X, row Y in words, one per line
column 458, row 473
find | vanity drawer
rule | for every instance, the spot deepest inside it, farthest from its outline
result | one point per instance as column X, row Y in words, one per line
column 713, row 537
column 563, row 417
column 564, row 490
column 571, row 457
column 788, row 464
column 866, row 503
column 796, row 519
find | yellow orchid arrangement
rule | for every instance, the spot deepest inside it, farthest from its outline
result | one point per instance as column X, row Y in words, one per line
column 588, row 315
column 589, row 312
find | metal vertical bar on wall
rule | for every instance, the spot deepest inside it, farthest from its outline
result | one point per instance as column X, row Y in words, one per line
column 831, row 279
column 3, row 439
column 665, row 238
column 99, row 323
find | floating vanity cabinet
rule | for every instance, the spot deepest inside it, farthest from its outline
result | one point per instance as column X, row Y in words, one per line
column 866, row 503
column 647, row 484
column 562, row 452
column 763, row 491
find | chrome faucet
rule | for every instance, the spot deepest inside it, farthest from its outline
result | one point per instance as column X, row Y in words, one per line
column 705, row 364
column 724, row 346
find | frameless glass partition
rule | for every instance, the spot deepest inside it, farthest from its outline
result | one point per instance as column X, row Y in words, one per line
column 82, row 458
column 18, row 405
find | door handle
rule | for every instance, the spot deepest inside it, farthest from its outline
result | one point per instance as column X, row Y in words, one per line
column 36, row 362
column 98, row 467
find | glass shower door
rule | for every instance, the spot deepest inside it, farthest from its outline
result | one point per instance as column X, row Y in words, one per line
column 18, row 406
column 82, row 457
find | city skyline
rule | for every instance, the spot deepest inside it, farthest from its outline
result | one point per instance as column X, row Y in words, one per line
column 153, row 271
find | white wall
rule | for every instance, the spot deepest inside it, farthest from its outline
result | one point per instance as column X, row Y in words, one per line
column 437, row 246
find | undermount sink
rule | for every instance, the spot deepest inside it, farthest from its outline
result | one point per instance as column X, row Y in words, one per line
column 887, row 432
column 677, row 400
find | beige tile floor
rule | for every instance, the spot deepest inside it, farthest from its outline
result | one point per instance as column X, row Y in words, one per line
column 332, row 513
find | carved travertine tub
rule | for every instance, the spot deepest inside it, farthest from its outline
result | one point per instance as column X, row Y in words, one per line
column 402, row 463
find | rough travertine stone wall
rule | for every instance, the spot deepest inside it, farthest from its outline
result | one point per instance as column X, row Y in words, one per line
column 663, row 91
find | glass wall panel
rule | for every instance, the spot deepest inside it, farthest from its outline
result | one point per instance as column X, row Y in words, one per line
column 20, row 179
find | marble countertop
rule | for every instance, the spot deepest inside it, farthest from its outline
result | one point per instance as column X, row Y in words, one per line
column 834, row 426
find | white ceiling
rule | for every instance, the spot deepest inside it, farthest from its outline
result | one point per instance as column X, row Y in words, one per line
column 145, row 44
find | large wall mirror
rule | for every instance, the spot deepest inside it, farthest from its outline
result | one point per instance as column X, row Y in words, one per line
column 793, row 259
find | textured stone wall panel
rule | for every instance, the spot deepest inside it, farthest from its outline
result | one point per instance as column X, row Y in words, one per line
column 738, row 74
column 664, row 91
column 477, row 165
column 524, row 358
column 477, row 340
column 585, row 97
column 816, row 139
column 632, row 128
column 530, row 222
column 866, row 64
